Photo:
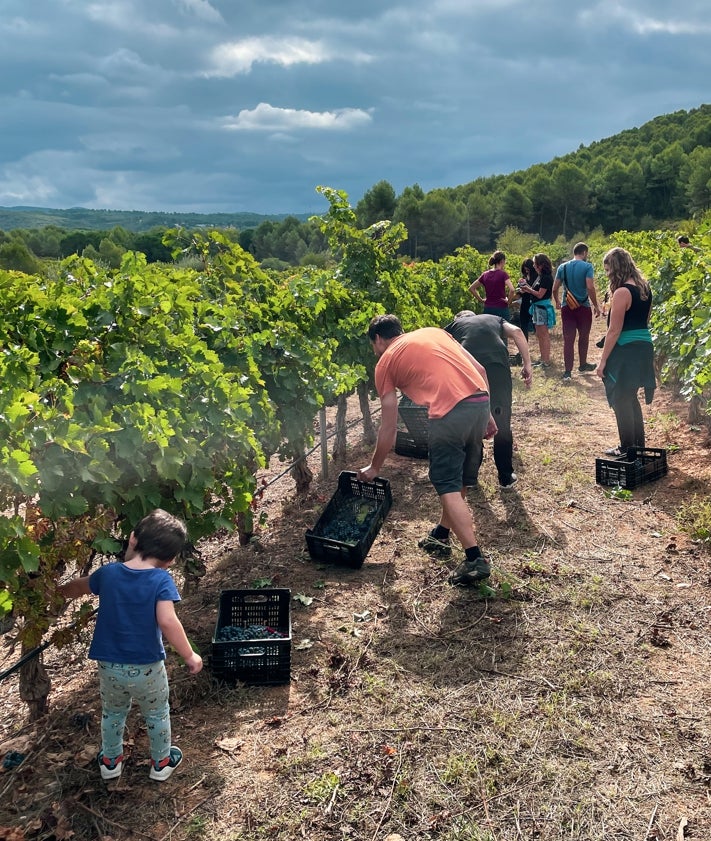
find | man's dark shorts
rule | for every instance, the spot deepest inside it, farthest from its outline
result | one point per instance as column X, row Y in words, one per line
column 456, row 446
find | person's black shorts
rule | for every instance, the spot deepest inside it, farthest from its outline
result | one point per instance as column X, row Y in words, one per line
column 455, row 442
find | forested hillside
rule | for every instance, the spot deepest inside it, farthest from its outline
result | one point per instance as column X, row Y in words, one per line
column 639, row 179
column 651, row 177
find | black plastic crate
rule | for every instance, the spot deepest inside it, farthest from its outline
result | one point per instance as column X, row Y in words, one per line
column 349, row 524
column 405, row 445
column 415, row 419
column 634, row 468
column 261, row 660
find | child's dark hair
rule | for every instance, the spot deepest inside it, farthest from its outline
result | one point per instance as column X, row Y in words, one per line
column 385, row 326
column 160, row 535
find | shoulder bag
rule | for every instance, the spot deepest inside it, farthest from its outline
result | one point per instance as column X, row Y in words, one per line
column 572, row 302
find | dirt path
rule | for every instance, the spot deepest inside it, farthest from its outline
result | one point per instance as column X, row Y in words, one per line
column 573, row 704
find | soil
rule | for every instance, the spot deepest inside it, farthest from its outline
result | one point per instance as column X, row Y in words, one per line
column 570, row 699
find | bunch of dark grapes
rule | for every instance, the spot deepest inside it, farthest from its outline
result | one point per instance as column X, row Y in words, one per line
column 352, row 523
column 236, row 633
column 344, row 532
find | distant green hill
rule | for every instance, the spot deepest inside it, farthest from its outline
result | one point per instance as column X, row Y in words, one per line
column 657, row 175
column 81, row 218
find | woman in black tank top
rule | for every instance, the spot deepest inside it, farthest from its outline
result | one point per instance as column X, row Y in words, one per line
column 627, row 361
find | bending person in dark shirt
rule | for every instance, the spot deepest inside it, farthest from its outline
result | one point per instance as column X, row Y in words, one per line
column 485, row 336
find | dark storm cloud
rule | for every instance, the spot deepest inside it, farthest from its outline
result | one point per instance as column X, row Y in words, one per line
column 212, row 105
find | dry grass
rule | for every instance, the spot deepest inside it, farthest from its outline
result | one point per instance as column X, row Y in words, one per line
column 571, row 703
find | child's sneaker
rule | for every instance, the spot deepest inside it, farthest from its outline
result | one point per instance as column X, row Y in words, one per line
column 470, row 573
column 110, row 768
column 435, row 547
column 161, row 770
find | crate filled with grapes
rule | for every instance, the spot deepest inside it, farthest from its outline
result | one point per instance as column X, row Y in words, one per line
column 349, row 524
column 252, row 639
column 415, row 442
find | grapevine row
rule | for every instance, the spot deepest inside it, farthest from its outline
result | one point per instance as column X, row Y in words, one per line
column 164, row 386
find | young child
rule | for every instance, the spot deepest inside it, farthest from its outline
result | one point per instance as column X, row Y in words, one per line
column 136, row 610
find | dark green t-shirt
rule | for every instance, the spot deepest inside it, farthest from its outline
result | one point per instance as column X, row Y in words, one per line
column 482, row 336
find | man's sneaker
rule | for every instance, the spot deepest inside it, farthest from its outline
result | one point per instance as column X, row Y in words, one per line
column 470, row 573
column 110, row 768
column 434, row 546
column 161, row 770
column 588, row 366
column 567, row 376
column 505, row 486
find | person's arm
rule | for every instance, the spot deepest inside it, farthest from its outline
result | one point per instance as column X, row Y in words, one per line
column 516, row 334
column 386, row 436
column 173, row 631
column 536, row 293
column 592, row 293
column 555, row 294
column 75, row 588
column 513, row 292
column 477, row 283
column 621, row 302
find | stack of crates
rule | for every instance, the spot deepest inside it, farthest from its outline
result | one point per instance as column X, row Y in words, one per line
column 414, row 443
column 405, row 446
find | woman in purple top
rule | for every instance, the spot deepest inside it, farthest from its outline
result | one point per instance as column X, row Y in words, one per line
column 498, row 287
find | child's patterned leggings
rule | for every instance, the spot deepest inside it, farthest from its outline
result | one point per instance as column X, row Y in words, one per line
column 120, row 684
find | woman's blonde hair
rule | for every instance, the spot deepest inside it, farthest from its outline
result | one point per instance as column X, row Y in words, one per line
column 623, row 269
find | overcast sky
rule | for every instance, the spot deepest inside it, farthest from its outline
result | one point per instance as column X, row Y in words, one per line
column 235, row 105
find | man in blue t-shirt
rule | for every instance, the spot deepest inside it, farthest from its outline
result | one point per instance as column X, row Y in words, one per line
column 577, row 277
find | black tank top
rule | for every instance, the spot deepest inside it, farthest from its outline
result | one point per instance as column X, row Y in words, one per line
column 637, row 315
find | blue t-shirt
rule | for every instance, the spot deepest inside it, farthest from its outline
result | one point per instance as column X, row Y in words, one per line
column 126, row 627
column 574, row 275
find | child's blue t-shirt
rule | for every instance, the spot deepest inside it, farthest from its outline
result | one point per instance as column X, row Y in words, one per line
column 127, row 630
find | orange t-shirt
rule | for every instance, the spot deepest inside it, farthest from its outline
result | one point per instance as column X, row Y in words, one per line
column 431, row 368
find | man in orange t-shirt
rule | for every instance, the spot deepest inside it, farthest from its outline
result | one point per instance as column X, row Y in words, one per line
column 435, row 371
